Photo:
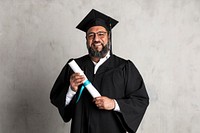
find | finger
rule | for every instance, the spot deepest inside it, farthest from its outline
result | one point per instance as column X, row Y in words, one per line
column 101, row 107
column 77, row 79
column 75, row 75
column 98, row 105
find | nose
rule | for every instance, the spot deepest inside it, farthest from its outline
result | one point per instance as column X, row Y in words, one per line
column 96, row 37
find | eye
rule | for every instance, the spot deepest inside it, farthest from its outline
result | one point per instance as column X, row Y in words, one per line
column 90, row 35
column 101, row 34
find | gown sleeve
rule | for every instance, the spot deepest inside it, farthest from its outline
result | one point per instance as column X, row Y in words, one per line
column 59, row 91
column 136, row 100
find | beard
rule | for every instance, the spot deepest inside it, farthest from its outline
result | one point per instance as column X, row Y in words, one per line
column 99, row 54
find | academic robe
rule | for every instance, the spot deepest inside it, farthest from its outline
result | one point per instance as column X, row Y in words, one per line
column 116, row 78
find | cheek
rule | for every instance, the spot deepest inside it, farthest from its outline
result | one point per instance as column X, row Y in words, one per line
column 105, row 41
column 88, row 43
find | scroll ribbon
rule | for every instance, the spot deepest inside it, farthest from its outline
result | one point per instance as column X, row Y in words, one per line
column 87, row 82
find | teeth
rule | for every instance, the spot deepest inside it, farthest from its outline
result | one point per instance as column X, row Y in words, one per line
column 97, row 44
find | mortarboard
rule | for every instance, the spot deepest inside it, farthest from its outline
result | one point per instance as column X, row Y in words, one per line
column 96, row 18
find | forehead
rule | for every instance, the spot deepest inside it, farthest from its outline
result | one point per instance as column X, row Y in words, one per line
column 96, row 29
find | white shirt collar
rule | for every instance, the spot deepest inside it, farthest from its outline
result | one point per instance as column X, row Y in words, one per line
column 101, row 61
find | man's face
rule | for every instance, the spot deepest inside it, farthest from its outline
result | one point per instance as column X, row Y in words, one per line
column 97, row 41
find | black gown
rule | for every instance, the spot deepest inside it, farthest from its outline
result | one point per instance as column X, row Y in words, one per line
column 116, row 78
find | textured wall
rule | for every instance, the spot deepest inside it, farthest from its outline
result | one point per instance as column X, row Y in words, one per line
column 161, row 37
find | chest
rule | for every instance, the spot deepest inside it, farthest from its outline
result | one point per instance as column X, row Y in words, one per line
column 109, row 82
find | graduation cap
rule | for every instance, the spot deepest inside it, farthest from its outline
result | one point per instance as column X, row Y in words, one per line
column 96, row 18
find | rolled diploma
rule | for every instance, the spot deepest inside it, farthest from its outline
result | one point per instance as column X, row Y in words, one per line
column 92, row 90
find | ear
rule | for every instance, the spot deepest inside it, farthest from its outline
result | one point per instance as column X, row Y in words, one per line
column 86, row 42
column 109, row 35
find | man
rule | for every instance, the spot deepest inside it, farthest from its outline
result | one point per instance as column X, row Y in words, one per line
column 123, row 99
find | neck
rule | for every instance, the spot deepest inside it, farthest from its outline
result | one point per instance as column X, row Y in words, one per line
column 95, row 59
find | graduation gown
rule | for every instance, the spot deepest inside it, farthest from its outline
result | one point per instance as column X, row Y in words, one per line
column 116, row 78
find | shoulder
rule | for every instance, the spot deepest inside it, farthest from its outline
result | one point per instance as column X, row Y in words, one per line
column 81, row 59
column 121, row 61
column 126, row 65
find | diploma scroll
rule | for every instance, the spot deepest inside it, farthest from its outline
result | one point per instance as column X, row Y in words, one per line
column 92, row 90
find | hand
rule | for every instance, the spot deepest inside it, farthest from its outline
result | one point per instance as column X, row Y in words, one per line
column 75, row 80
column 104, row 102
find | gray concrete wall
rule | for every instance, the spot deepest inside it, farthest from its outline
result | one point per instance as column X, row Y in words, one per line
column 161, row 37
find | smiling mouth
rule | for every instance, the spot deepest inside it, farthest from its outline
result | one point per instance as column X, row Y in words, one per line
column 97, row 45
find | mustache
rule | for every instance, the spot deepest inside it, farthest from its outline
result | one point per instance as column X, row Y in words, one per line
column 97, row 42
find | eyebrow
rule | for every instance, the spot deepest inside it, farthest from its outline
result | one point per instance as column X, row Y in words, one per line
column 96, row 32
